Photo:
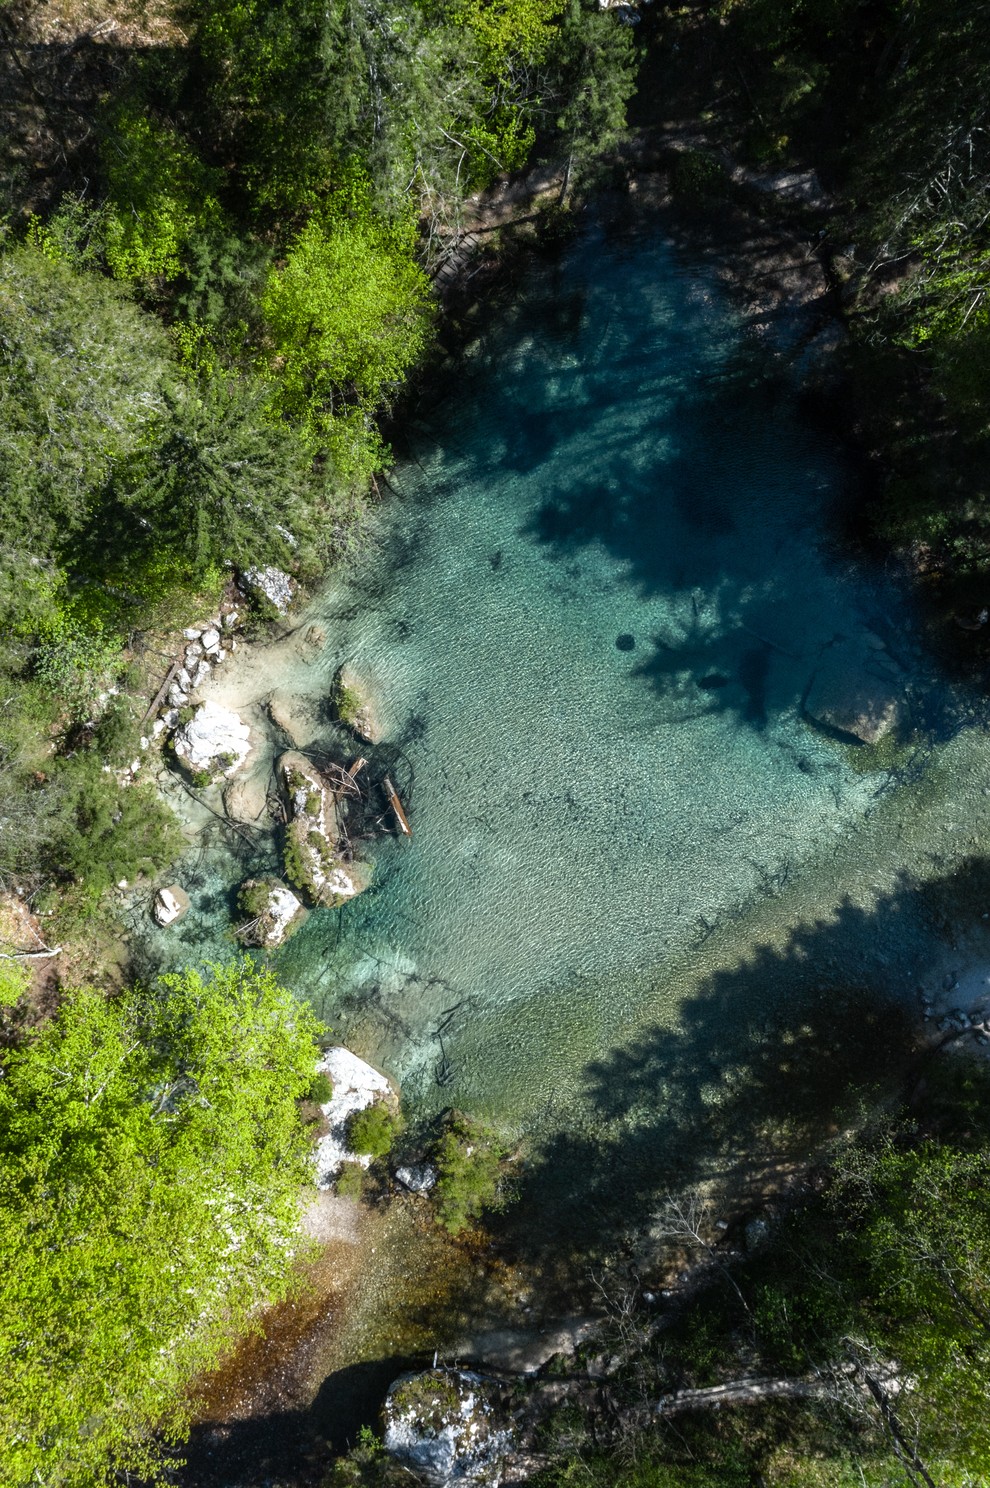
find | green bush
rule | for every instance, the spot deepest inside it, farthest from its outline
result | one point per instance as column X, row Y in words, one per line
column 102, row 831
column 81, row 371
column 320, row 1089
column 347, row 702
column 14, row 982
column 350, row 1181
column 78, row 665
column 115, row 736
column 371, row 1132
column 469, row 1160
column 252, row 897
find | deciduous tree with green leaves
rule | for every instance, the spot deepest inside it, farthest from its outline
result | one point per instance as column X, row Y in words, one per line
column 151, row 1161
column 347, row 316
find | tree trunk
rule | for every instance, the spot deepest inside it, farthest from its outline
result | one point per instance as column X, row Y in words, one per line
column 739, row 1392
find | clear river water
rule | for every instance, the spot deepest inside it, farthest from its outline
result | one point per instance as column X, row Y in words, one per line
column 590, row 615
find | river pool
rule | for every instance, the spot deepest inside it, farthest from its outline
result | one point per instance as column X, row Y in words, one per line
column 590, row 614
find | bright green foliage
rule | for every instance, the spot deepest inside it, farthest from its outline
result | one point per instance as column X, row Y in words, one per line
column 348, row 317
column 149, row 1190
column 14, row 981
column 31, row 587
column 160, row 195
column 77, row 665
column 469, row 1160
column 514, row 28
column 371, row 1132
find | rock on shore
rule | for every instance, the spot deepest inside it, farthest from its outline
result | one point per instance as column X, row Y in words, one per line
column 272, row 911
column 442, row 1426
column 356, row 1084
column 214, row 741
column 271, row 584
column 312, row 859
column 170, row 904
column 353, row 705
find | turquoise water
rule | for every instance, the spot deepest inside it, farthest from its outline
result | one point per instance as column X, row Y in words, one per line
column 590, row 616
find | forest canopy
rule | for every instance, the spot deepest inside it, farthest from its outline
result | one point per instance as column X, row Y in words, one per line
column 151, row 1164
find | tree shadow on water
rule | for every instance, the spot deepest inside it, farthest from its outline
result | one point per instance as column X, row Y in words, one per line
column 769, row 1060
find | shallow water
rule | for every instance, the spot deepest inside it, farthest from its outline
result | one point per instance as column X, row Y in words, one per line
column 590, row 621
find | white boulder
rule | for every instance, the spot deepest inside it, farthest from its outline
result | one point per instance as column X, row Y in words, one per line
column 442, row 1425
column 273, row 910
column 214, row 739
column 272, row 584
column 170, row 904
column 356, row 1085
column 417, row 1177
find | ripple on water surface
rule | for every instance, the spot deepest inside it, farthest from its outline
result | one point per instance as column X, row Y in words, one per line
column 592, row 618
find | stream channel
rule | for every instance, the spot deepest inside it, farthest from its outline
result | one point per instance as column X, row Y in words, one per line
column 589, row 615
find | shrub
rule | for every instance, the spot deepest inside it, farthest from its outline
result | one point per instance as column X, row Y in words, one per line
column 350, row 1183
column 371, row 1132
column 77, row 665
column 14, row 982
column 253, row 896
column 102, row 832
column 469, row 1169
column 320, row 1089
column 347, row 702
column 115, row 735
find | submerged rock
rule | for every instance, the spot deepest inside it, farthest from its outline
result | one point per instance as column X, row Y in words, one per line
column 215, row 741
column 293, row 716
column 442, row 1425
column 855, row 691
column 356, row 1084
column 246, row 798
column 353, row 706
column 272, row 911
column 170, row 904
column 271, row 584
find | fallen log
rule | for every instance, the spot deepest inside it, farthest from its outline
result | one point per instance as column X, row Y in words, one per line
column 396, row 805
column 739, row 1392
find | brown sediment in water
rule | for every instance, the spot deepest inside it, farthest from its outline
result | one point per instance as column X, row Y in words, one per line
column 268, row 1369
column 385, row 1290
